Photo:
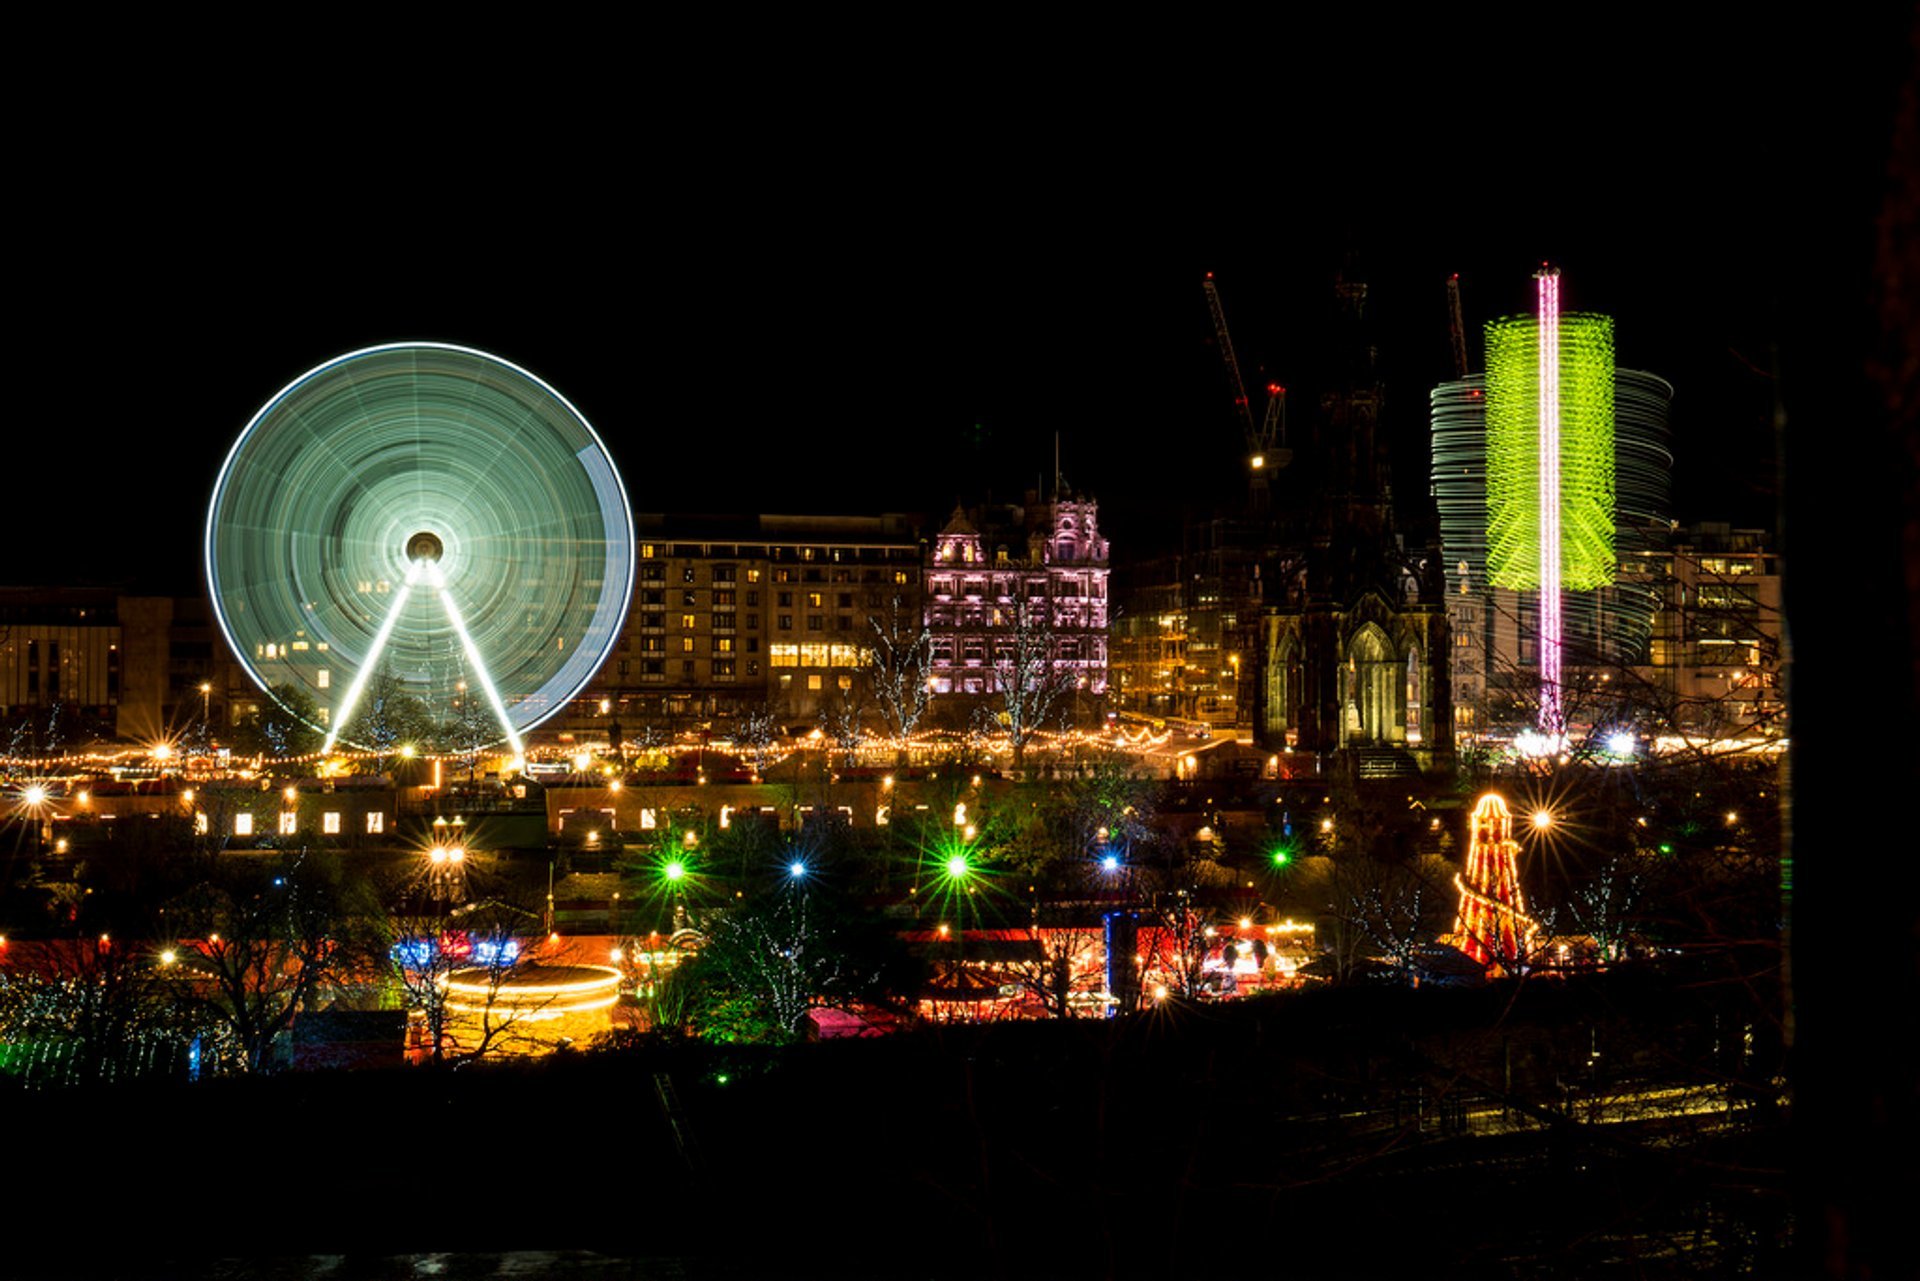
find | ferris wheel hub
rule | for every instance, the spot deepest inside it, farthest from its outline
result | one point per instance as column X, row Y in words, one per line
column 424, row 545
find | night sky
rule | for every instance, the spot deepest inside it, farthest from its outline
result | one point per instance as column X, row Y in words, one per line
column 851, row 307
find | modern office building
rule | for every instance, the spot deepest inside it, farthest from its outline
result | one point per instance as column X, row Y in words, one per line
column 1496, row 629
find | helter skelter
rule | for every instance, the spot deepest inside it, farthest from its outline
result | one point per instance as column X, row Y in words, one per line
column 1492, row 925
column 423, row 519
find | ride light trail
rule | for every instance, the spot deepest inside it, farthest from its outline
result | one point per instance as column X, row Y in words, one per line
column 365, row 673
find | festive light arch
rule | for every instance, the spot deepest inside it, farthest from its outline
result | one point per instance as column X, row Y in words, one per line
column 425, row 512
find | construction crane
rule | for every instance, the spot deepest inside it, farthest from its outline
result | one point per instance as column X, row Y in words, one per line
column 1459, row 326
column 1266, row 449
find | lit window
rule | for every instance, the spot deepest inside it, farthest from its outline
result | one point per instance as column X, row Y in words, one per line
column 330, row 822
column 289, row 823
column 846, row 682
column 813, row 602
column 753, row 575
column 243, row 825
column 783, row 655
column 686, row 644
column 814, row 654
column 376, row 822
column 323, row 679
column 687, row 621
column 200, row 823
column 813, row 681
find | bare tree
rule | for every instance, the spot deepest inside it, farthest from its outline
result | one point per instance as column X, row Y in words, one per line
column 767, row 962
column 902, row 665
column 1064, row 963
column 1397, row 907
column 262, row 947
column 1029, row 682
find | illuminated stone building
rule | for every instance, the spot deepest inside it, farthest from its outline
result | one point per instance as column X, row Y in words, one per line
column 733, row 614
column 1189, row 625
column 1713, row 663
column 1041, row 566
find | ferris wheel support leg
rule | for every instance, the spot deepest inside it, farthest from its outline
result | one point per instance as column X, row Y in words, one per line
column 479, row 667
column 365, row 673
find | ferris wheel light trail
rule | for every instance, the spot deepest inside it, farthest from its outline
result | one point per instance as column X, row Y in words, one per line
column 409, row 470
column 365, row 673
column 438, row 580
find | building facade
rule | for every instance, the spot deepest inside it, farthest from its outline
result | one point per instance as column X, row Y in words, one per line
column 1185, row 642
column 85, row 663
column 1354, row 638
column 739, row 614
column 1037, row 575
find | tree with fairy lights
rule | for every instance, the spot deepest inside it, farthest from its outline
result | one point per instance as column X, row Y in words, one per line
column 282, row 728
column 902, row 665
column 89, row 1011
column 843, row 716
column 772, row 957
column 759, row 732
column 1029, row 685
column 388, row 717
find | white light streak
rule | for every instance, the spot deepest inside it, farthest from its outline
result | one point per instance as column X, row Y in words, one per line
column 360, row 678
column 1552, row 716
column 473, row 656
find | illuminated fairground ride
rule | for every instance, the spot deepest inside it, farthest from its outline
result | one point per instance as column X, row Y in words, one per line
column 1492, row 925
column 1550, row 467
column 424, row 521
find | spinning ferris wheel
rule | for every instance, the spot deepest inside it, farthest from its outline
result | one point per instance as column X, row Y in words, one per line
column 424, row 521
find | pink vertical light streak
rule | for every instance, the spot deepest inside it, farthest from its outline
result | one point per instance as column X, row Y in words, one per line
column 1552, row 715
